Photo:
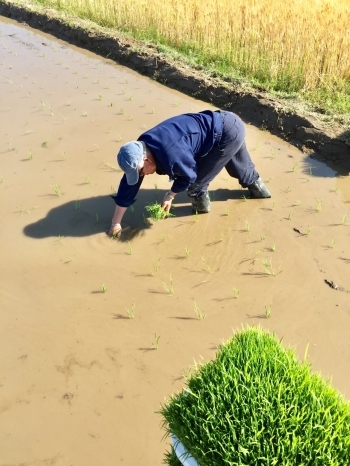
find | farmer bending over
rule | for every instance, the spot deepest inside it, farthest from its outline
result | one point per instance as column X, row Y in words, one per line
column 191, row 149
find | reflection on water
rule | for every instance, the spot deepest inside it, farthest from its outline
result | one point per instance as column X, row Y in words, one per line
column 315, row 168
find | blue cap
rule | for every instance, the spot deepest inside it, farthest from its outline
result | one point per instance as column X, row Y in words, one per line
column 129, row 157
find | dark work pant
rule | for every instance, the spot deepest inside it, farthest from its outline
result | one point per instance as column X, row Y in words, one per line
column 231, row 153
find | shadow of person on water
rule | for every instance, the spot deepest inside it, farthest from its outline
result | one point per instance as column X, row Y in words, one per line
column 90, row 216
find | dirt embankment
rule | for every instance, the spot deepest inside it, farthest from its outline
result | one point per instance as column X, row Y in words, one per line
column 307, row 132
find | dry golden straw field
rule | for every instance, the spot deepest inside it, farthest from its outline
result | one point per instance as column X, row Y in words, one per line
column 295, row 46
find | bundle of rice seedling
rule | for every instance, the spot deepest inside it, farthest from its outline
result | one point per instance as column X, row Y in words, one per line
column 157, row 212
column 255, row 404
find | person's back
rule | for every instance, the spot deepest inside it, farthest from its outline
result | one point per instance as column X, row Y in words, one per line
column 196, row 132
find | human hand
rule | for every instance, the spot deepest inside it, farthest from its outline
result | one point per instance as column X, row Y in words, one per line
column 167, row 201
column 115, row 230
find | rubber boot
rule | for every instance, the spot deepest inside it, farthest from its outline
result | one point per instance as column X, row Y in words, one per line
column 201, row 204
column 258, row 189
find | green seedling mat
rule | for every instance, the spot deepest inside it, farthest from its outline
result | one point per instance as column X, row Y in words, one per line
column 256, row 404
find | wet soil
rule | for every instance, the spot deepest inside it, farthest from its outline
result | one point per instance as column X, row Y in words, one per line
column 80, row 382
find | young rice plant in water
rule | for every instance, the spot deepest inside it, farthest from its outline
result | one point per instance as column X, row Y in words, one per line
column 255, row 404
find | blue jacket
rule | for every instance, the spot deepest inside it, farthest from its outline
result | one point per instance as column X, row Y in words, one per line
column 176, row 145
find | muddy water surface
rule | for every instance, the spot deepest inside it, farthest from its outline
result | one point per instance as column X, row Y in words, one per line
column 80, row 382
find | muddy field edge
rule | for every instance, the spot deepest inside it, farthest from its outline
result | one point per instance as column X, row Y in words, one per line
column 258, row 109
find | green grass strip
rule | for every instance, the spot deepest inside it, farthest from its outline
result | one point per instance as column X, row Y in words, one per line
column 255, row 404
